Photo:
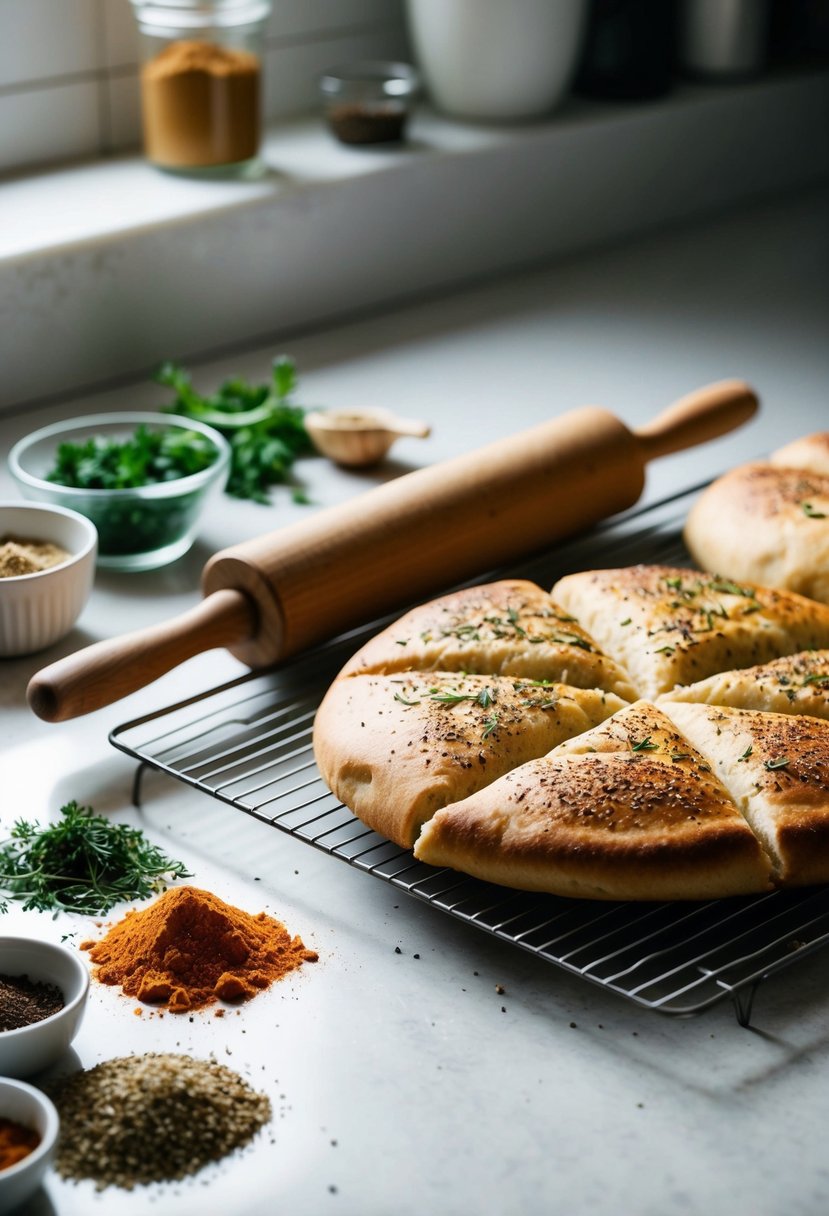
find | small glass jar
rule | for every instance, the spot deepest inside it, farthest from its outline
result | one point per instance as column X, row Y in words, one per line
column 201, row 84
column 368, row 102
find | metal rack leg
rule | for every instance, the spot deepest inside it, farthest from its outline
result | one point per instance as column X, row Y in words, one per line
column 743, row 1003
column 136, row 784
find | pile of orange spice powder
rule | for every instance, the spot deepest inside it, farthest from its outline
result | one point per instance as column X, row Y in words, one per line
column 190, row 949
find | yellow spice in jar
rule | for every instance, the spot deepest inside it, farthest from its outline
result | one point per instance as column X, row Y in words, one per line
column 200, row 105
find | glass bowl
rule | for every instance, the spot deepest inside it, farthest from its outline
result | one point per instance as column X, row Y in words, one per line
column 368, row 102
column 138, row 529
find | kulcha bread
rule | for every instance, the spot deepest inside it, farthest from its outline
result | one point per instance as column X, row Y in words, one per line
column 795, row 684
column 510, row 627
column 395, row 748
column 810, row 453
column 670, row 626
column 765, row 523
column 776, row 768
column 630, row 810
column 461, row 729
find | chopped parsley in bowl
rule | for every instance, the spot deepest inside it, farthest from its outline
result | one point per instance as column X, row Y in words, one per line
column 143, row 479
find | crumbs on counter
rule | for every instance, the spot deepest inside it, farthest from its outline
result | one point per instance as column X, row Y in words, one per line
column 18, row 556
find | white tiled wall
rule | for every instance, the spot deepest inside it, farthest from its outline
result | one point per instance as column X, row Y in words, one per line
column 69, row 68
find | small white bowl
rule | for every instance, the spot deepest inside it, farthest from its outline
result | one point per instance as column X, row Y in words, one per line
column 39, row 609
column 31, row 1049
column 26, row 1105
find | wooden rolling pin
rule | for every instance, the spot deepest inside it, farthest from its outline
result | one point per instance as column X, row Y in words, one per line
column 274, row 596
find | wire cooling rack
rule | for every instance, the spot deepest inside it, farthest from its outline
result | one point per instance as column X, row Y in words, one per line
column 248, row 743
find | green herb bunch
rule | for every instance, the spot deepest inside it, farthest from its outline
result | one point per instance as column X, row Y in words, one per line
column 265, row 431
column 146, row 458
column 83, row 863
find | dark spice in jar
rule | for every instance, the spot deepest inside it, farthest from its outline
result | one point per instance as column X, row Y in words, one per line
column 357, row 123
column 24, row 1002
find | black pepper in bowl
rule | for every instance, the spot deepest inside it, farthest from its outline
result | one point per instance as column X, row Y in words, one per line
column 24, row 1002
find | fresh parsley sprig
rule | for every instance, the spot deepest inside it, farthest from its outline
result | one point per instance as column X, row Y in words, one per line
column 265, row 430
column 82, row 863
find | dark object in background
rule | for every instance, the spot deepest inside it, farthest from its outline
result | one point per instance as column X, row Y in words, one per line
column 799, row 33
column 628, row 50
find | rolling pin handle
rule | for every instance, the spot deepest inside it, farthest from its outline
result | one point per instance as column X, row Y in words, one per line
column 109, row 670
column 704, row 414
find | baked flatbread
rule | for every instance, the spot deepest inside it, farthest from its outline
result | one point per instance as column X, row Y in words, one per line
column 629, row 810
column 811, row 453
column 508, row 628
column 395, row 748
column 795, row 684
column 670, row 626
column 767, row 524
column 776, row 768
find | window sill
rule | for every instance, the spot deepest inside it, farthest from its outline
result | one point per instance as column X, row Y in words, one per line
column 113, row 266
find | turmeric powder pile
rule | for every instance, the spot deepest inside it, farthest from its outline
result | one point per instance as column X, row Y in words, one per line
column 189, row 949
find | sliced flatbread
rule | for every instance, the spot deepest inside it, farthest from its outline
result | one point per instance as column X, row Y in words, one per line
column 627, row 811
column 506, row 628
column 767, row 524
column 810, row 453
column 795, row 684
column 670, row 626
column 776, row 768
column 395, row 748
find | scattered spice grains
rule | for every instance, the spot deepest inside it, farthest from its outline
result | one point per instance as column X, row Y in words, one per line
column 16, row 1142
column 24, row 1001
column 153, row 1118
column 189, row 948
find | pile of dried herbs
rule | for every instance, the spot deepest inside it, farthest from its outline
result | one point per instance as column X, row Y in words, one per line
column 153, row 1118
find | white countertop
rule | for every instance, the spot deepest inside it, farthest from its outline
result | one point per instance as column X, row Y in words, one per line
column 399, row 1084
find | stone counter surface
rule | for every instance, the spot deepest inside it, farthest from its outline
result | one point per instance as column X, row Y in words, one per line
column 405, row 1084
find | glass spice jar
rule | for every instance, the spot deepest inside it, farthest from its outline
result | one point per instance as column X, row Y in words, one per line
column 368, row 102
column 201, row 84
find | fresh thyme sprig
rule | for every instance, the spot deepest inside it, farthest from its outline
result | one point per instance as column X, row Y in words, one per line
column 82, row 863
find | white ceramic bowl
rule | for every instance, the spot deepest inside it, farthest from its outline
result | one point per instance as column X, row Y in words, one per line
column 30, row 1049
column 26, row 1105
column 39, row 609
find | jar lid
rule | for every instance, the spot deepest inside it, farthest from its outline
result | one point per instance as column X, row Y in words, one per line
column 196, row 14
column 385, row 76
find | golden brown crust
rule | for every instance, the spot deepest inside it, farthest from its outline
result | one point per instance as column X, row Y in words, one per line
column 767, row 524
column 395, row 748
column 776, row 768
column 669, row 625
column 639, row 817
column 810, row 453
column 795, row 684
column 510, row 627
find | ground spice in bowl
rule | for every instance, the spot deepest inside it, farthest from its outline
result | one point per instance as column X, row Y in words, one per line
column 28, row 556
column 24, row 1002
column 16, row 1142
column 152, row 1118
column 190, row 949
